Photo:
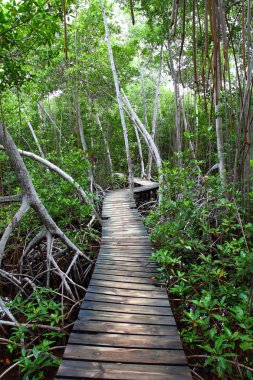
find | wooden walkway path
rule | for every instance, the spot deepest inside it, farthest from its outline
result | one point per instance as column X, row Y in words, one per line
column 125, row 328
column 144, row 185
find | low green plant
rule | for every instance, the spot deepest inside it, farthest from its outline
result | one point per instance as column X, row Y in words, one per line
column 31, row 341
column 206, row 257
column 118, row 181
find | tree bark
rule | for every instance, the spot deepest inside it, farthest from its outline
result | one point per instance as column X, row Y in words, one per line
column 156, row 105
column 144, row 101
column 10, row 199
column 186, row 127
column 177, row 105
column 82, row 137
column 140, row 150
column 35, row 138
column 151, row 144
column 108, row 153
column 215, row 25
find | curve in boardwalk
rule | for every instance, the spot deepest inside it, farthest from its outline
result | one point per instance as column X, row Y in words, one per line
column 125, row 329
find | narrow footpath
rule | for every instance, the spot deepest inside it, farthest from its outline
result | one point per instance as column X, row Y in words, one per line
column 125, row 329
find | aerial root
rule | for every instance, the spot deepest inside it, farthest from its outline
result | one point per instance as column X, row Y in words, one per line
column 6, row 310
column 52, row 266
column 12, row 225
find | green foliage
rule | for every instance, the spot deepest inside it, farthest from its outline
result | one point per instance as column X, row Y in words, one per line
column 24, row 26
column 118, row 181
column 62, row 202
column 31, row 342
column 208, row 264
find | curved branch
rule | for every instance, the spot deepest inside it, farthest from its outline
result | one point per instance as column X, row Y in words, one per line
column 30, row 195
column 62, row 173
column 151, row 143
column 10, row 198
column 12, row 225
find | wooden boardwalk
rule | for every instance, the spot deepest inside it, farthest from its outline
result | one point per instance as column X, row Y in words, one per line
column 144, row 185
column 125, row 329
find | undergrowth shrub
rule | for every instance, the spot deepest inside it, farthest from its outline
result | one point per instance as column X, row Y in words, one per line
column 204, row 249
column 118, row 181
column 32, row 342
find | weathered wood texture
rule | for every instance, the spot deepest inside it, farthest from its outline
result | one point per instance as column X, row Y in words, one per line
column 144, row 185
column 125, row 328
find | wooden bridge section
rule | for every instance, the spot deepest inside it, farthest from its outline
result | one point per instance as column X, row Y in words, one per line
column 125, row 328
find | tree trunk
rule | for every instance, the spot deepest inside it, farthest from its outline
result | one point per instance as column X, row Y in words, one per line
column 156, row 105
column 59, row 171
column 116, row 83
column 35, row 138
column 144, row 101
column 186, row 127
column 177, row 105
column 82, row 137
column 247, row 109
column 215, row 25
column 140, row 150
column 105, row 142
column 50, row 118
column 30, row 198
column 151, row 144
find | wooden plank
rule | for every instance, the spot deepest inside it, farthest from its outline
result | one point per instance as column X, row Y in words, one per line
column 72, row 369
column 133, row 251
column 143, row 256
column 123, row 234
column 114, row 316
column 128, row 341
column 123, row 243
column 126, row 300
column 121, row 266
column 109, row 223
column 140, row 263
column 128, row 254
column 130, row 250
column 144, row 182
column 126, row 258
column 125, row 355
column 138, row 247
column 123, row 285
column 137, row 280
column 124, row 328
column 133, row 309
column 115, row 272
column 143, row 189
column 140, row 240
column 129, row 292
